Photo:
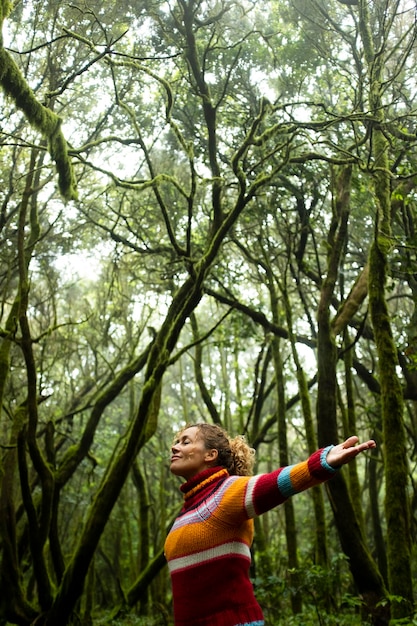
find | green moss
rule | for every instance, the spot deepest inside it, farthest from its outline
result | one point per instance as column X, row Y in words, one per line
column 41, row 118
column 5, row 8
column 396, row 472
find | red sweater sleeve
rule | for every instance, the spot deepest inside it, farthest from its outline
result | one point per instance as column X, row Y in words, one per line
column 266, row 491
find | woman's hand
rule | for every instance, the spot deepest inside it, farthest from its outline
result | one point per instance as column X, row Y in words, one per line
column 348, row 450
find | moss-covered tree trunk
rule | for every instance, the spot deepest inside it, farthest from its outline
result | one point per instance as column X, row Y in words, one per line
column 376, row 472
column 396, row 472
column 364, row 571
column 396, row 475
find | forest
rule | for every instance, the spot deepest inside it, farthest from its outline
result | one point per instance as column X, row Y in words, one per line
column 208, row 213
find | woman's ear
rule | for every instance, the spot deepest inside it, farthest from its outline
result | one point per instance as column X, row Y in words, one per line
column 211, row 455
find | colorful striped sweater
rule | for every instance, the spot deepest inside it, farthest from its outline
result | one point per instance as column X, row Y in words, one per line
column 208, row 547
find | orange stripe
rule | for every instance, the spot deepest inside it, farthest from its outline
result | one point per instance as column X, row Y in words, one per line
column 299, row 475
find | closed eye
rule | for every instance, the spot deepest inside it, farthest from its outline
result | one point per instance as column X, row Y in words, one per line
column 181, row 441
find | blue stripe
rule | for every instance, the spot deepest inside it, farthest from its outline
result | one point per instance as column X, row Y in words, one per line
column 284, row 482
column 323, row 457
column 259, row 623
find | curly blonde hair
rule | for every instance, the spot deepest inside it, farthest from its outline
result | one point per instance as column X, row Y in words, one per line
column 234, row 453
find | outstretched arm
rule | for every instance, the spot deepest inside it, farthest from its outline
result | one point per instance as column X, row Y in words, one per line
column 348, row 450
column 263, row 492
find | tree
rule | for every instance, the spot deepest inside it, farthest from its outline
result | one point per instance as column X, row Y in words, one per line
column 396, row 478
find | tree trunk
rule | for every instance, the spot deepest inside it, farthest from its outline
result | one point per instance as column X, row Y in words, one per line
column 396, row 474
column 374, row 489
column 364, row 571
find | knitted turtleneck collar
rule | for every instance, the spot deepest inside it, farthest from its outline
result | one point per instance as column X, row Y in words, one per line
column 202, row 480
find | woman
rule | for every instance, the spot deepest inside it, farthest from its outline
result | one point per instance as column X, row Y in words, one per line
column 208, row 547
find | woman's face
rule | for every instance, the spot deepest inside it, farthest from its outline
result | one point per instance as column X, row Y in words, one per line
column 189, row 455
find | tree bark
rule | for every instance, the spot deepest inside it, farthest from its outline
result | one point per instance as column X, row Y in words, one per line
column 392, row 405
column 364, row 571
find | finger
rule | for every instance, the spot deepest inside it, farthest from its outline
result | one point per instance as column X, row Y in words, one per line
column 350, row 442
column 369, row 444
column 366, row 445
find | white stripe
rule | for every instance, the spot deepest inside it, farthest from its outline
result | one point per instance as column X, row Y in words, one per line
column 233, row 548
column 250, row 509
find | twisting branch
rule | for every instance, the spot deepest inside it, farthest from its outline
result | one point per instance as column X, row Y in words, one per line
column 40, row 117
